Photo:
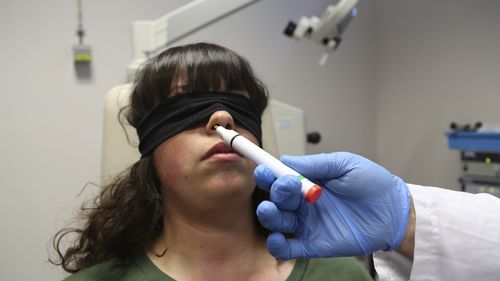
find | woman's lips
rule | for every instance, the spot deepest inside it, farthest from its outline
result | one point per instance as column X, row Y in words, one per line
column 221, row 152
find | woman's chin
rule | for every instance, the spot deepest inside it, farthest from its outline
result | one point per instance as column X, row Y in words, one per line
column 230, row 186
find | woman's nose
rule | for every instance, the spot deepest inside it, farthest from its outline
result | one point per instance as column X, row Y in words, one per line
column 220, row 118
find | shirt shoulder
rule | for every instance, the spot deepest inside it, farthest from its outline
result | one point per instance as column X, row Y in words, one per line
column 140, row 269
column 334, row 269
column 102, row 271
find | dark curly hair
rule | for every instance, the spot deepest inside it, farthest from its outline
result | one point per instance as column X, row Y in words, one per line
column 127, row 216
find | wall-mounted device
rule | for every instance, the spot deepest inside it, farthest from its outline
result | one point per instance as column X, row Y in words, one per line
column 326, row 30
column 81, row 51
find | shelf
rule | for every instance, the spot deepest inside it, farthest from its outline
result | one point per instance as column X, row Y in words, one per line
column 480, row 180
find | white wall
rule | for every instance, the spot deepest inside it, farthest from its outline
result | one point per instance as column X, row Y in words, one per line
column 437, row 62
column 51, row 121
column 405, row 70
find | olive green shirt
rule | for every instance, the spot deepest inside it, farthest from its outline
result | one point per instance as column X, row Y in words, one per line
column 142, row 269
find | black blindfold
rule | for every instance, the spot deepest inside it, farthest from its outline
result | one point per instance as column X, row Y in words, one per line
column 185, row 111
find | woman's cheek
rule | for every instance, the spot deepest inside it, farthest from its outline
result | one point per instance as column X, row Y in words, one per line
column 172, row 163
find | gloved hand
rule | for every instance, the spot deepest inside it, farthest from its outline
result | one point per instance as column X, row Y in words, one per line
column 363, row 208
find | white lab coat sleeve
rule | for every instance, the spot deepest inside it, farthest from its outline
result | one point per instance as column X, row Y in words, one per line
column 457, row 238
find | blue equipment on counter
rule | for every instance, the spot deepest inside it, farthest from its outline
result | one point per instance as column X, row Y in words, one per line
column 476, row 141
column 480, row 156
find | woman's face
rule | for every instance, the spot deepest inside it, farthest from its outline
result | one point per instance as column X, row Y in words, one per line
column 196, row 168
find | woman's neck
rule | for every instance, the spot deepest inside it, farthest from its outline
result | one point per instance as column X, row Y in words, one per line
column 220, row 245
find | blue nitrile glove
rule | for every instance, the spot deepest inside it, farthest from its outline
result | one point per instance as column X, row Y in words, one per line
column 363, row 208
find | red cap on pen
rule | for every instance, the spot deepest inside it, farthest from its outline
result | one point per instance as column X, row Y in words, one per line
column 313, row 194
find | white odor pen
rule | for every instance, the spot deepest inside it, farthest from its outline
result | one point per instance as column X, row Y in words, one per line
column 310, row 190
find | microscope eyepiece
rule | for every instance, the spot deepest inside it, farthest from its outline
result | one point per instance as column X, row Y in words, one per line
column 290, row 29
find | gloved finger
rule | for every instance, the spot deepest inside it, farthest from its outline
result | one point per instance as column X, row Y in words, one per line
column 285, row 249
column 285, row 193
column 264, row 177
column 322, row 166
column 275, row 219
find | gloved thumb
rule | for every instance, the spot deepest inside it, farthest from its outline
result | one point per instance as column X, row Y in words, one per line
column 345, row 174
column 320, row 166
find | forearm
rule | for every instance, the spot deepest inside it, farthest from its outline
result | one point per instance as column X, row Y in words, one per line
column 407, row 247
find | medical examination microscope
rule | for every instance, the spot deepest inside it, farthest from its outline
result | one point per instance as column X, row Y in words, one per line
column 326, row 30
